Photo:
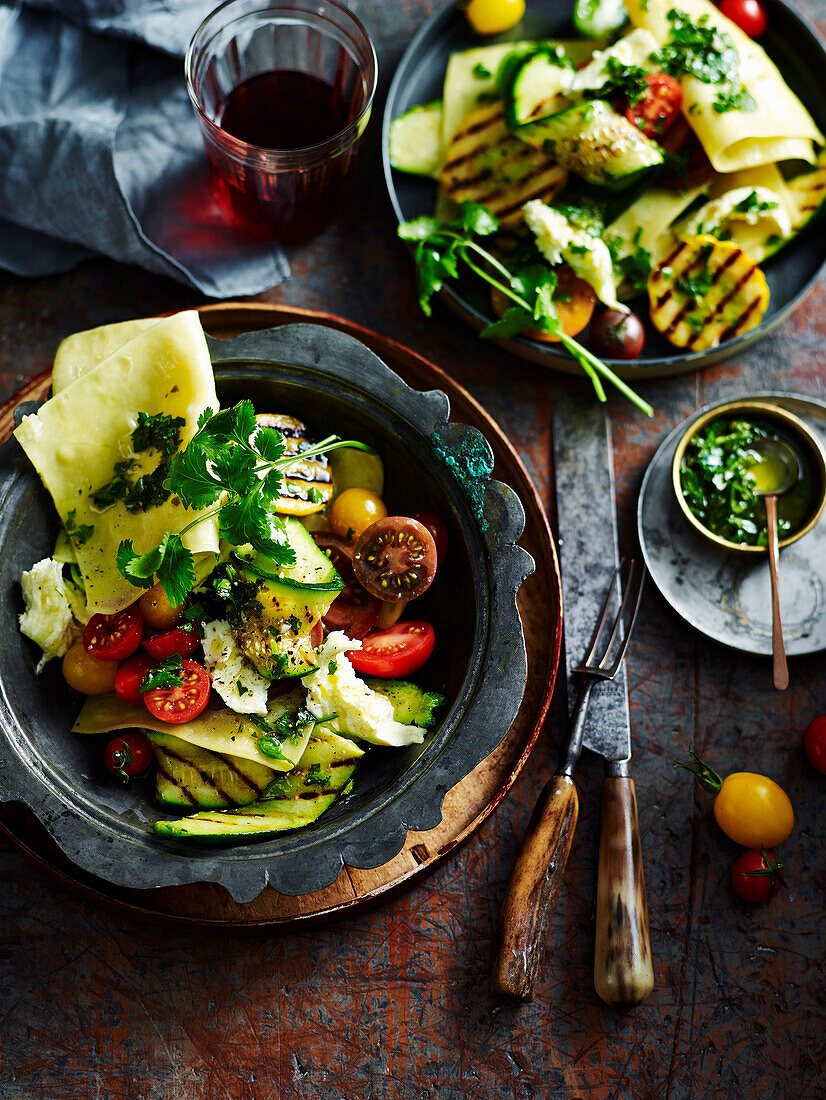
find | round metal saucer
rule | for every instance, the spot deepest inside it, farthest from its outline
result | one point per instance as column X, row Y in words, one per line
column 725, row 595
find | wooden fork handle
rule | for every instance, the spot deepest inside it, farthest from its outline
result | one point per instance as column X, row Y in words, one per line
column 533, row 889
column 623, row 969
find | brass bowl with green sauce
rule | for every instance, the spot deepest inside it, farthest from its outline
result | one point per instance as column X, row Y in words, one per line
column 719, row 502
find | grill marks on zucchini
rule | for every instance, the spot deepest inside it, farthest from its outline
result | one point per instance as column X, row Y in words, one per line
column 487, row 165
column 705, row 292
column 187, row 776
column 307, row 484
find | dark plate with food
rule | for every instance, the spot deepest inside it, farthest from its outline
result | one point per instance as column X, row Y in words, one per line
column 681, row 161
column 320, row 747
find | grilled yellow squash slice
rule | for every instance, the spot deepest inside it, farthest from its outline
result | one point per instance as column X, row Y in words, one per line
column 307, row 484
column 486, row 164
column 808, row 192
column 705, row 292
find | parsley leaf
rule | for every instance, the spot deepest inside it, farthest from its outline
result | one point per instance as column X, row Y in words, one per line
column 168, row 674
column 78, row 533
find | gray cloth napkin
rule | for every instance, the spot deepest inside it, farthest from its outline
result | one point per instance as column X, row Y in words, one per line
column 100, row 151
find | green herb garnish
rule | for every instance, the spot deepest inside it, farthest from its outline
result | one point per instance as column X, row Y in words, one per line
column 332, row 668
column 168, row 674
column 316, row 778
column 78, row 533
column 154, row 431
column 753, row 204
column 158, row 431
column 739, row 99
column 441, row 246
column 626, row 80
column 700, row 50
column 480, row 72
column 634, row 268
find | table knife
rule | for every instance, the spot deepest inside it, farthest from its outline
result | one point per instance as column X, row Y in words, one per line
column 587, row 524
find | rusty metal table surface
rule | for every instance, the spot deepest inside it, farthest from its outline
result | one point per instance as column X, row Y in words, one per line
column 394, row 1002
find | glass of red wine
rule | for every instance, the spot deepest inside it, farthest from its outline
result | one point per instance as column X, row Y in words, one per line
column 282, row 92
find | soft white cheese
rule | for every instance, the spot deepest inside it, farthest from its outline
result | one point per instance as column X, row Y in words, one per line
column 241, row 687
column 334, row 688
column 588, row 256
column 715, row 216
column 48, row 618
column 635, row 49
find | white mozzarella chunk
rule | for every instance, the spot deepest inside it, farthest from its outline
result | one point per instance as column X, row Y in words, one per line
column 241, row 687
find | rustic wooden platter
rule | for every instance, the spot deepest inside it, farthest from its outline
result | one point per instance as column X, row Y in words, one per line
column 466, row 806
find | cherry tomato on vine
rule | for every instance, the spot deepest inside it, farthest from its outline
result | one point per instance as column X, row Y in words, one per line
column 114, row 637
column 815, row 743
column 757, row 875
column 399, row 651
column 354, row 510
column 747, row 14
column 184, row 702
column 395, row 559
column 87, row 674
column 494, row 16
column 128, row 755
column 659, row 107
column 751, row 809
column 158, row 613
column 180, row 639
column 617, row 334
column 437, row 529
column 129, row 676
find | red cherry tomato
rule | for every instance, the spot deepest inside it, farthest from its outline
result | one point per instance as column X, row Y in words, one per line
column 399, row 651
column 659, row 107
column 128, row 678
column 747, row 14
column 757, row 875
column 354, row 611
column 180, row 639
column 114, row 637
column 128, row 755
column 437, row 529
column 182, row 703
column 815, row 743
column 395, row 558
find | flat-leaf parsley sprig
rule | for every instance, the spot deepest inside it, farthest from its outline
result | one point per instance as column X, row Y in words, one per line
column 441, row 246
column 236, row 465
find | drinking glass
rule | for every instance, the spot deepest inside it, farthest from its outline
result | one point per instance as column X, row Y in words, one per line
column 282, row 92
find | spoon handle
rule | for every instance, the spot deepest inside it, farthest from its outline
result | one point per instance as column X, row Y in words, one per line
column 780, row 669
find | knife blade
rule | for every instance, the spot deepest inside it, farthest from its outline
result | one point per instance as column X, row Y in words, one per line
column 587, row 525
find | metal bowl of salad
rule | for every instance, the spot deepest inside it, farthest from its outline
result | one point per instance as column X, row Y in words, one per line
column 645, row 155
column 256, row 643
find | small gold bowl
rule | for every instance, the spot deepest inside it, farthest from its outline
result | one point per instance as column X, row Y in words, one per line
column 768, row 413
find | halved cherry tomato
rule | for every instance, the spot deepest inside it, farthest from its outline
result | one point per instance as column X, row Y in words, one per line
column 86, row 673
column 317, row 634
column 180, row 639
column 354, row 611
column 757, row 875
column 399, row 651
column 747, row 14
column 437, row 529
column 815, row 743
column 659, row 107
column 128, row 755
column 158, row 613
column 354, row 510
column 114, row 637
column 395, row 558
column 183, row 703
column 339, row 551
column 128, row 678
column 574, row 300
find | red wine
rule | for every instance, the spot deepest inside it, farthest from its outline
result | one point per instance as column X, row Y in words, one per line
column 284, row 112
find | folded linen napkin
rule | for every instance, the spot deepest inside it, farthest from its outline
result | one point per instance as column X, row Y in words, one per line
column 100, row 151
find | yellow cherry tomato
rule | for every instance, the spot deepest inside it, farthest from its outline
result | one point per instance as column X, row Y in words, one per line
column 494, row 16
column 354, row 510
column 751, row 809
column 158, row 613
column 88, row 674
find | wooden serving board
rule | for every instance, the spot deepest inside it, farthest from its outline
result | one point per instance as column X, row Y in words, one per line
column 466, row 806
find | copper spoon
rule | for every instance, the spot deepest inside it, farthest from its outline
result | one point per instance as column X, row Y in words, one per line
column 777, row 471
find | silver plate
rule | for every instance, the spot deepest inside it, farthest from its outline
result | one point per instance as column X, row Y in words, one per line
column 726, row 596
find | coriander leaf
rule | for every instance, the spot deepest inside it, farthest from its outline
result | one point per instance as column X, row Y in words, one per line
column 168, row 674
column 271, row 486
column 544, row 305
column 477, row 219
column 205, row 416
column 247, row 521
column 176, row 573
column 234, row 467
column 271, row 746
column 140, row 569
column 245, row 422
column 190, row 478
column 419, row 229
column 270, row 444
column 513, row 321
column 293, row 724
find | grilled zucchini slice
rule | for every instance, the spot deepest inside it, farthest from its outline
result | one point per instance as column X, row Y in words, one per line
column 705, row 292
column 307, row 484
column 486, row 164
column 808, row 193
column 415, row 140
column 592, row 140
column 188, row 777
column 535, row 85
